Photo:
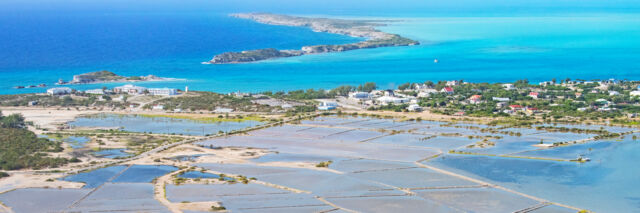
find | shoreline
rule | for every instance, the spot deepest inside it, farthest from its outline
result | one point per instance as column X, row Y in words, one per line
column 367, row 29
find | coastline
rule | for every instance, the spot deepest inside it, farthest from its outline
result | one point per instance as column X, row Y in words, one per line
column 374, row 38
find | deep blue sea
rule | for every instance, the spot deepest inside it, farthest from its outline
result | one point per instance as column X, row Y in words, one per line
column 44, row 47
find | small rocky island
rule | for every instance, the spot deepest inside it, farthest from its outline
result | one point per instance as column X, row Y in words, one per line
column 105, row 76
column 355, row 28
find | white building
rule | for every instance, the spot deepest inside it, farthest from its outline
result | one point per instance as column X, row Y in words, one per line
column 95, row 91
column 59, row 91
column 613, row 93
column 500, row 99
column 359, row 95
column 162, row 91
column 508, row 86
column 392, row 100
column 547, row 83
column 327, row 105
column 129, row 89
column 414, row 108
column 453, row 83
column 635, row 93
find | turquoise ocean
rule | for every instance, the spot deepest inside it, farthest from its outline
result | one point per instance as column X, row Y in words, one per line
column 45, row 47
column 499, row 45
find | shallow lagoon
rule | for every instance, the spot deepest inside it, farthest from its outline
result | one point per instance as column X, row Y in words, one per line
column 163, row 125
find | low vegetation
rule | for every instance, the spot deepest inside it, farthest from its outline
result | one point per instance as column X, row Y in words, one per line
column 209, row 101
column 21, row 148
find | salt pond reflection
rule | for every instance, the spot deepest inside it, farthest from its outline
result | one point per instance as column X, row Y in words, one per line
column 162, row 125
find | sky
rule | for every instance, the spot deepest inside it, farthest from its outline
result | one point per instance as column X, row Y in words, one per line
column 334, row 7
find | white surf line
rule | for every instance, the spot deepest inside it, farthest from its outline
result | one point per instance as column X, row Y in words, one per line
column 492, row 185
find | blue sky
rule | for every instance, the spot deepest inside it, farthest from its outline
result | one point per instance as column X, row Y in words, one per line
column 326, row 6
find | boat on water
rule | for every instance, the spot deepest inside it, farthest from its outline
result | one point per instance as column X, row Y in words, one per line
column 18, row 87
column 435, row 61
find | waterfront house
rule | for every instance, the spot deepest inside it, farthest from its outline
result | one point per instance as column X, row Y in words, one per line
column 414, row 108
column 95, row 91
column 453, row 83
column 421, row 87
column 447, row 90
column 129, row 89
column 547, row 83
column 59, row 91
column 459, row 114
column 162, row 91
column 327, row 105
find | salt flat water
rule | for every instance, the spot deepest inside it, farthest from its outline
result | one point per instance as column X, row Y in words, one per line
column 608, row 183
column 44, row 47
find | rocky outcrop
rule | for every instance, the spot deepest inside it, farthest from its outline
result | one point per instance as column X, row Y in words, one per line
column 252, row 55
column 356, row 28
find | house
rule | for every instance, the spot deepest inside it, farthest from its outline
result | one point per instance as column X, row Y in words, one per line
column 327, row 105
column 508, row 86
column 475, row 99
column 635, row 93
column 453, row 83
column 534, row 95
column 129, row 89
column 426, row 93
column 33, row 103
column 414, row 108
column 613, row 93
column 359, row 95
column 515, row 107
column 421, row 87
column 389, row 93
column 162, row 91
column 531, row 110
column 547, row 83
column 239, row 94
column 459, row 114
column 578, row 94
column 500, row 99
column 447, row 90
column 501, row 104
column 59, row 91
column 95, row 91
column 392, row 100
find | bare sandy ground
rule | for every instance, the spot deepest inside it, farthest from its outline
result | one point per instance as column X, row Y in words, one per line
column 48, row 118
column 25, row 180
